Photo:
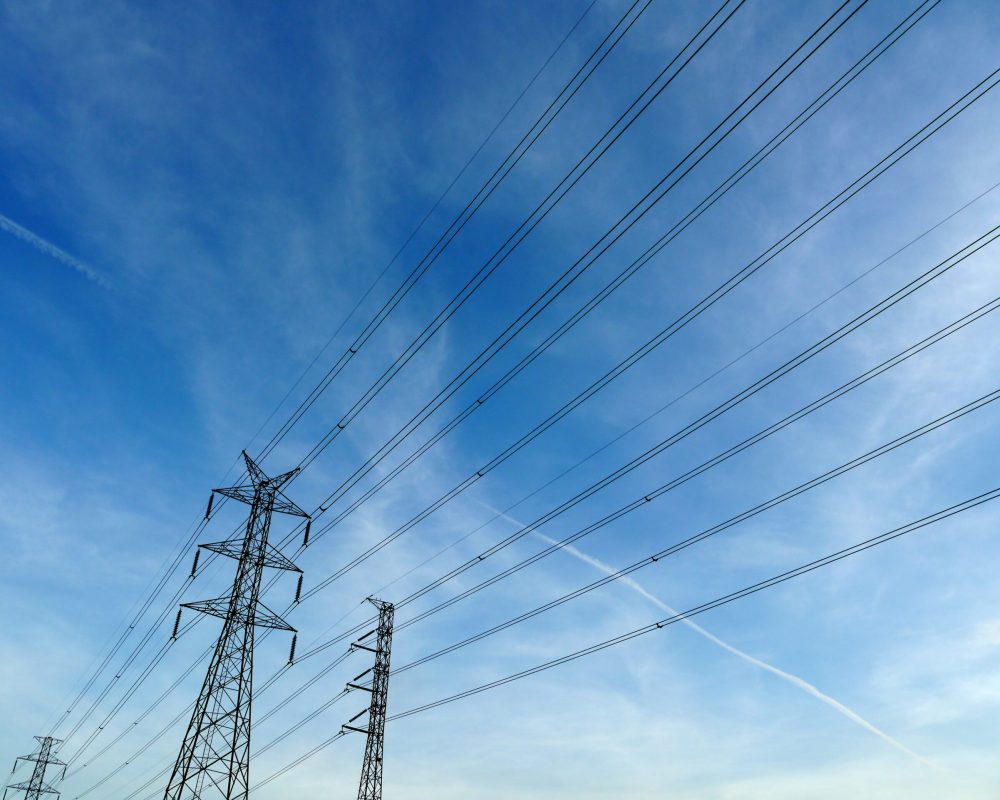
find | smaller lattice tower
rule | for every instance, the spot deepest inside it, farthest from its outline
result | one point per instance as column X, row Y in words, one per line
column 371, row 769
column 44, row 758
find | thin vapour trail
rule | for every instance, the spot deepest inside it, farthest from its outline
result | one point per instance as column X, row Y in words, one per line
column 788, row 677
column 44, row 246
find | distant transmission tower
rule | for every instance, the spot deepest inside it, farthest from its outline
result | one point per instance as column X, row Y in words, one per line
column 216, row 748
column 371, row 769
column 36, row 786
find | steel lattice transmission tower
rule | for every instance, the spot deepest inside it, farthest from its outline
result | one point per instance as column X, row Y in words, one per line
column 371, row 769
column 36, row 786
column 216, row 748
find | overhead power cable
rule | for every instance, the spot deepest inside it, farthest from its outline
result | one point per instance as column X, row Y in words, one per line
column 804, row 569
column 802, row 357
column 776, row 71
column 625, row 223
column 145, row 713
column 613, row 37
column 754, row 511
column 843, row 469
column 682, row 395
column 705, row 419
column 629, row 219
column 288, row 767
column 866, row 376
column 131, row 659
column 555, row 107
column 869, row 176
column 672, row 619
column 423, row 221
column 512, row 331
column 565, row 185
column 809, row 408
column 158, row 585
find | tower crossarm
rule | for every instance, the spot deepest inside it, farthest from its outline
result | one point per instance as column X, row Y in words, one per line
column 233, row 548
column 220, row 607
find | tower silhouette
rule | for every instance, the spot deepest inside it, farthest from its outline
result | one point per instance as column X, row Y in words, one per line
column 36, row 786
column 370, row 787
column 214, row 757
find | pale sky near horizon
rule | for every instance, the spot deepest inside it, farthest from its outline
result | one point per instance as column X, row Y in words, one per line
column 194, row 197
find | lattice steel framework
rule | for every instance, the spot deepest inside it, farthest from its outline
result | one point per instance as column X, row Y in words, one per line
column 215, row 753
column 371, row 769
column 36, row 786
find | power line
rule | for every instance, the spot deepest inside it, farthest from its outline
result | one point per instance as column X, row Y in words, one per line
column 426, row 217
column 131, row 659
column 521, row 232
column 964, row 102
column 193, row 534
column 493, row 349
column 776, row 374
column 865, row 179
column 555, row 107
column 948, row 330
column 804, row 569
column 624, row 224
column 146, row 712
column 807, row 40
column 779, row 499
column 863, row 378
column 665, row 622
column 693, row 388
column 706, row 138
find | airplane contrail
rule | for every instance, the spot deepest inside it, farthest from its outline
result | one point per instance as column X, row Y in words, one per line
column 788, row 677
column 51, row 250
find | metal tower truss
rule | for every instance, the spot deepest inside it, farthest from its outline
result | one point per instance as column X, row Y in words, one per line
column 371, row 769
column 36, row 786
column 214, row 758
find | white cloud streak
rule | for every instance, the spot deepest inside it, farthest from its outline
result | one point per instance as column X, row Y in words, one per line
column 52, row 251
column 788, row 677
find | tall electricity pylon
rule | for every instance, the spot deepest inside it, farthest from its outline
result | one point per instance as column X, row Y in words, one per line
column 371, row 769
column 36, row 786
column 216, row 747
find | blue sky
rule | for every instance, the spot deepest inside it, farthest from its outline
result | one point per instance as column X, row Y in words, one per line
column 193, row 199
